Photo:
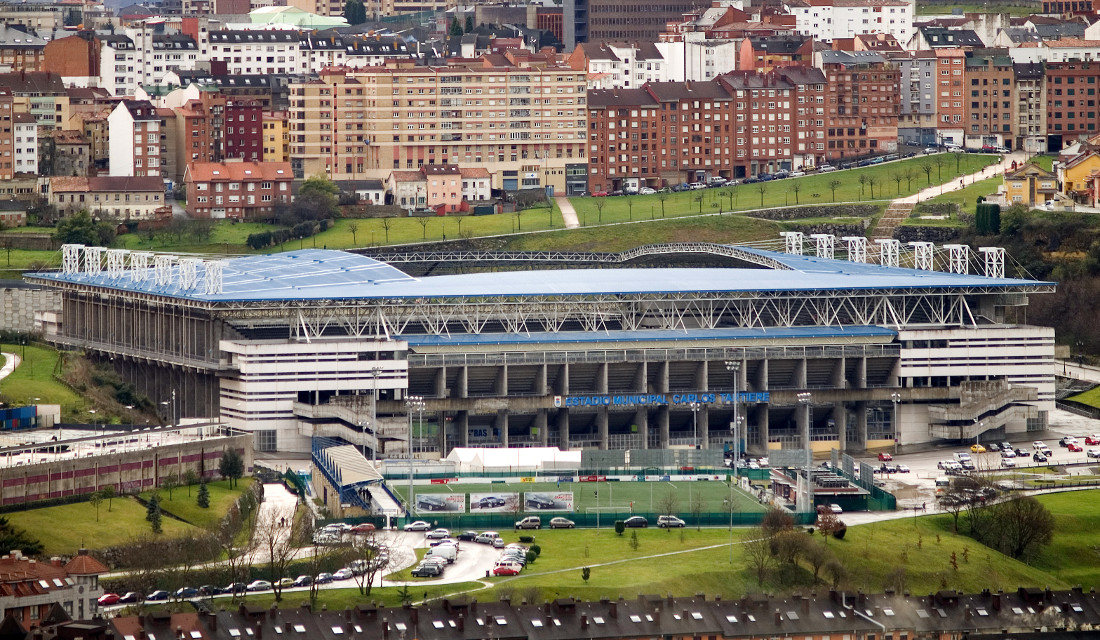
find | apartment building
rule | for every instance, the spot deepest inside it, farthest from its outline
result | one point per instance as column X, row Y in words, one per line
column 950, row 101
column 200, row 127
column 917, row 87
column 257, row 51
column 610, row 20
column 238, row 190
column 831, row 19
column 518, row 114
column 7, row 134
column 624, row 65
column 75, row 58
column 990, row 83
column 134, row 133
column 41, row 94
column 26, row 143
column 141, row 56
column 1071, row 102
column 113, row 197
column 764, row 53
column 861, row 110
column 65, row 153
column 1031, row 113
column 20, row 50
column 243, row 130
column 276, row 138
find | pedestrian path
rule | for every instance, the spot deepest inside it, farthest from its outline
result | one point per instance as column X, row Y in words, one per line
column 11, row 361
column 568, row 213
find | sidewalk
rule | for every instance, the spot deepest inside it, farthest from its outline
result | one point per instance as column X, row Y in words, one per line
column 11, row 361
column 568, row 213
column 955, row 185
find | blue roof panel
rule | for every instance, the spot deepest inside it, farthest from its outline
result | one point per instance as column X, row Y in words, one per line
column 652, row 335
column 319, row 274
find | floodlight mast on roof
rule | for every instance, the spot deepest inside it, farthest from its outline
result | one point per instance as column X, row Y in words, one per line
column 116, row 263
column 139, row 265
column 824, row 244
column 162, row 269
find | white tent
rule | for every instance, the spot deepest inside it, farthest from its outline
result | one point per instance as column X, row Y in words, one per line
column 471, row 460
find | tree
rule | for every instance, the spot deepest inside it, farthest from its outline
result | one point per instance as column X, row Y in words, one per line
column 956, row 497
column 231, row 466
column 12, row 537
column 871, row 182
column 762, row 188
column 828, row 524
column 190, row 478
column 862, row 184
column 80, row 228
column 758, row 553
column 278, row 545
column 586, row 573
column 939, row 162
column 630, row 207
column 96, row 499
column 908, row 179
column 423, row 220
column 731, row 193
column 456, row 28
column 370, row 559
column 108, row 492
column 697, row 505
column 169, row 483
column 386, row 226
column 1024, row 525
column 620, row 527
column 469, row 24
column 927, row 169
column 203, row 499
column 316, row 200
column 699, row 198
column 354, row 12
column 668, row 505
column 662, row 196
column 795, row 187
column 834, row 184
column 600, row 204
column 353, row 227
column 817, row 555
column 153, row 514
column 897, row 178
column 776, row 520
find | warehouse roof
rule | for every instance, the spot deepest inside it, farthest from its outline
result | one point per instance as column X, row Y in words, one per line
column 318, row 274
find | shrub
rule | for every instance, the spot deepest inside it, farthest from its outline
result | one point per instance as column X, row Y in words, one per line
column 531, row 555
column 537, row 549
column 987, row 218
column 620, row 527
column 527, row 539
column 839, row 533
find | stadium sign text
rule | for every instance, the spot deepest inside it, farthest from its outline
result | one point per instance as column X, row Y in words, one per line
column 658, row 399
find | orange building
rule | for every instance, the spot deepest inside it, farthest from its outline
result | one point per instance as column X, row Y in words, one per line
column 950, row 101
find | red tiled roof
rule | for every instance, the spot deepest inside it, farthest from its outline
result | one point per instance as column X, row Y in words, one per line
column 475, row 172
column 84, row 564
column 209, row 171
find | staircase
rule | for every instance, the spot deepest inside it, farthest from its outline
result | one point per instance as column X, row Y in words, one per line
column 895, row 213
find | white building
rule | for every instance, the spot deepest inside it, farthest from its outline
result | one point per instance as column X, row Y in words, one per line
column 133, row 131
column 698, row 58
column 141, row 57
column 476, row 183
column 248, row 52
column 26, row 143
column 621, row 65
column 1065, row 50
column 831, row 19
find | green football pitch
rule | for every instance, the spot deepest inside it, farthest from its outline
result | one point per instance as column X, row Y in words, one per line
column 617, row 497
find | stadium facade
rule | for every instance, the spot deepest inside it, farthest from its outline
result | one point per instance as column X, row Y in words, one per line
column 795, row 350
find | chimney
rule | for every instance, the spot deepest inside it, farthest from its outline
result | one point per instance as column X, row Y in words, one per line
column 683, row 615
column 778, row 618
column 142, row 635
column 273, row 611
column 461, row 622
column 347, row 613
column 805, row 605
column 259, row 630
column 613, row 609
column 996, row 602
column 966, row 612
column 414, row 617
column 385, row 629
column 213, row 621
column 584, row 622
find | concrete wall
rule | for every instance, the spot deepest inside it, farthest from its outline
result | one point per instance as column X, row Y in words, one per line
column 17, row 306
column 128, row 471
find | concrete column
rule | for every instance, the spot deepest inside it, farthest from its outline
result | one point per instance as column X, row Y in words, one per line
column 702, row 383
column 541, row 419
column 895, row 373
column 662, row 422
column 462, row 424
column 462, row 382
column 760, row 381
column 441, row 420
column 563, row 428
column 541, row 388
column 861, row 374
column 440, row 390
column 861, row 424
column 662, row 377
column 760, row 419
column 501, row 423
column 802, row 419
column 641, row 378
column 641, row 420
column 799, row 381
column 601, row 379
column 839, row 378
column 562, row 384
column 840, row 416
column 601, row 424
column 502, row 381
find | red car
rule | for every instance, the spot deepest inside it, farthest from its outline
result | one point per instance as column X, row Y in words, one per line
column 885, row 457
column 1073, row 446
column 108, row 599
column 1092, row 440
column 599, row 194
column 506, row 570
column 363, row 528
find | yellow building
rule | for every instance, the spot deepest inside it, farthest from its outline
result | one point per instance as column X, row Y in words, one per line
column 522, row 116
column 276, row 137
column 1029, row 185
column 1077, row 175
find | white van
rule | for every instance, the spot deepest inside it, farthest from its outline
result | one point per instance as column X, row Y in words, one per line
column 942, row 483
column 448, row 552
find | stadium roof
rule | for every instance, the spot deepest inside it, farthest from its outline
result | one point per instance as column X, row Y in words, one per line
column 650, row 335
column 320, row 275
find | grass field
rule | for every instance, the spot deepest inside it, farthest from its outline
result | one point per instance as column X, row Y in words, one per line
column 1090, row 397
column 185, row 508
column 64, row 529
column 615, row 497
column 1014, row 10
column 33, row 380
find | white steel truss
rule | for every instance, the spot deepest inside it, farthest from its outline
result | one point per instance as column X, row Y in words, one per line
column 857, row 248
column 922, row 255
column 93, row 260
column 889, row 252
column 162, row 269
column 825, row 244
column 959, row 258
column 116, row 263
column 188, row 273
column 793, row 240
column 139, row 265
column 212, row 280
column 70, row 258
column 994, row 261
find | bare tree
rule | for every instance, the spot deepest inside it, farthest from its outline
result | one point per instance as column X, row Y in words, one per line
column 862, row 184
column 758, row 553
column 897, row 178
column 96, row 499
column 424, row 220
column 386, row 222
column 762, row 188
column 662, row 196
column 699, row 198
column 668, row 504
column 353, row 227
column 939, row 162
column 834, row 184
column 927, row 169
column 817, row 555
column 630, row 207
column 169, row 484
column 795, row 187
column 730, row 192
column 277, row 544
column 828, row 524
column 369, row 559
column 697, row 505
column 908, row 175
column 871, row 182
column 600, row 204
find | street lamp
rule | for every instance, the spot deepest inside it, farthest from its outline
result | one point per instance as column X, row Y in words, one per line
column 806, row 399
column 695, row 422
column 735, row 367
column 412, row 403
column 895, row 397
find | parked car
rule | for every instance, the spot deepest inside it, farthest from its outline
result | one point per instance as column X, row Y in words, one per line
column 343, row 574
column 1074, row 447
column 929, row 150
column 108, row 599
column 1006, row 446
column 825, row 168
column 487, row 537
column 419, row 525
column 130, row 597
column 1022, row 453
column 797, row 174
column 599, row 194
column 1094, row 439
column 160, row 595
column 438, row 534
column 885, row 457
column 901, row 468
column 646, row 191
column 1093, row 452
column 510, row 569
column 284, row 582
column 1066, row 440
column 561, row 523
column 366, row 527
column 977, row 448
column 208, row 590
column 259, row 585
column 234, row 588
column 835, row 508
column 1038, row 456
column 669, row 522
column 530, row 522
column 427, row 570
column 636, row 522
column 186, row 593
column 467, row 536
column 1008, row 453
column 303, row 581
column 323, row 578
column 992, row 446
column 1008, row 463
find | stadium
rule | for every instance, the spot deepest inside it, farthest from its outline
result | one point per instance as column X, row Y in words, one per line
column 775, row 349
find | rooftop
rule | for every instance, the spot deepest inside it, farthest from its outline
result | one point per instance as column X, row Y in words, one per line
column 324, row 275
